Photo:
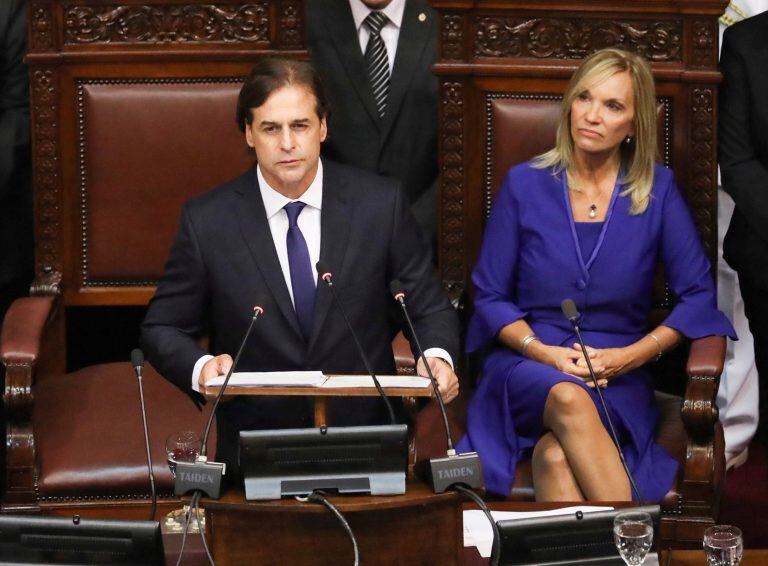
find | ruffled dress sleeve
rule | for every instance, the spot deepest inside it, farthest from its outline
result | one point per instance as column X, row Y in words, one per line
column 688, row 272
column 495, row 273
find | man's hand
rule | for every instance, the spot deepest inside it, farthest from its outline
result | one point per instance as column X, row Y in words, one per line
column 215, row 367
column 447, row 381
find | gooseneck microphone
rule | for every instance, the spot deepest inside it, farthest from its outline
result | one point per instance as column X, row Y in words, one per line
column 326, row 275
column 454, row 468
column 572, row 314
column 202, row 475
column 398, row 293
column 137, row 361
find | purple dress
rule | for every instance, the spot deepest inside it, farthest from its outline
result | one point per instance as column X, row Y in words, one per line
column 532, row 259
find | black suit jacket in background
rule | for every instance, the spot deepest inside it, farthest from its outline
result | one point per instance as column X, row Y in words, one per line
column 224, row 261
column 743, row 146
column 15, row 157
column 404, row 144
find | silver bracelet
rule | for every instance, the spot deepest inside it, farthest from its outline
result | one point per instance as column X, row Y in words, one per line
column 526, row 342
column 658, row 344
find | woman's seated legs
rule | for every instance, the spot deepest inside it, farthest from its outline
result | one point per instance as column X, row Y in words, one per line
column 571, row 416
column 553, row 478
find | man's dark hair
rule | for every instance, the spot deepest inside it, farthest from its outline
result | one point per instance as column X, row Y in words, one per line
column 271, row 74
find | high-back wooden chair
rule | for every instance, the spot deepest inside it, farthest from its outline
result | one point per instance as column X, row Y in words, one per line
column 502, row 69
column 133, row 113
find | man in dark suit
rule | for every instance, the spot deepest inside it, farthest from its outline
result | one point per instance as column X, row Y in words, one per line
column 15, row 164
column 257, row 238
column 382, row 119
column 743, row 149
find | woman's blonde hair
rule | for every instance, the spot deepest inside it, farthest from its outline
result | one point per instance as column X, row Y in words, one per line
column 637, row 158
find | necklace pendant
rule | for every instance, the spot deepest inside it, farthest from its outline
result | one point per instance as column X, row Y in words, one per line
column 592, row 211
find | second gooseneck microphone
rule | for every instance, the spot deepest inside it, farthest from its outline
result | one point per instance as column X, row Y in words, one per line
column 572, row 314
column 447, row 471
column 202, row 475
column 137, row 362
column 326, row 275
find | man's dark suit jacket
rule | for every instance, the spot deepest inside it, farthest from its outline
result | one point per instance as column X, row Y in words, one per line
column 15, row 165
column 224, row 261
column 743, row 145
column 404, row 144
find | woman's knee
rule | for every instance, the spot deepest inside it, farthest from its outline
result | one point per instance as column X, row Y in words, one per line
column 548, row 454
column 566, row 401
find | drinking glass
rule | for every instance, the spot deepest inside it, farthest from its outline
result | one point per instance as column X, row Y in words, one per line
column 723, row 545
column 633, row 535
column 182, row 447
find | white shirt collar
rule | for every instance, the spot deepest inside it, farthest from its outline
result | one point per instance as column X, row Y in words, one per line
column 394, row 11
column 274, row 201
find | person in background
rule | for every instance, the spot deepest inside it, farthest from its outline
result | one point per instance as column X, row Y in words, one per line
column 743, row 157
column 375, row 58
column 589, row 220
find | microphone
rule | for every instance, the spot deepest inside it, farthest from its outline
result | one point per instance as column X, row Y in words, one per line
column 453, row 468
column 203, row 475
column 137, row 361
column 572, row 314
column 324, row 271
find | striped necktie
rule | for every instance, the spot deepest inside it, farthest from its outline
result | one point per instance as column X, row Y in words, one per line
column 376, row 60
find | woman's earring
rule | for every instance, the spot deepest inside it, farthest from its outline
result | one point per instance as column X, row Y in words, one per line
column 628, row 140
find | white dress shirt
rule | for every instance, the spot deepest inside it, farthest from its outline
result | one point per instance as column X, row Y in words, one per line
column 390, row 33
column 309, row 224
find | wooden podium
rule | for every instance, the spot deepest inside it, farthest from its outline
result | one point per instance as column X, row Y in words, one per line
column 419, row 527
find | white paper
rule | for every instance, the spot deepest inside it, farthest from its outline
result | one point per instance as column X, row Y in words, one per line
column 344, row 381
column 271, row 379
column 478, row 531
column 315, row 379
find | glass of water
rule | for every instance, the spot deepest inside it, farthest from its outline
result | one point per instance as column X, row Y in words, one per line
column 723, row 545
column 633, row 535
column 182, row 447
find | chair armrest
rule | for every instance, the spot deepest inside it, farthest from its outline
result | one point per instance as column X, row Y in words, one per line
column 705, row 364
column 23, row 326
column 707, row 356
column 22, row 348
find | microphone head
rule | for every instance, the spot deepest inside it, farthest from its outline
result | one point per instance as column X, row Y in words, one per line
column 137, row 358
column 324, row 271
column 569, row 310
column 258, row 305
column 397, row 289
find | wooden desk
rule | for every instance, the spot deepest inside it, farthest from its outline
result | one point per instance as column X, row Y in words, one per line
column 321, row 394
column 419, row 527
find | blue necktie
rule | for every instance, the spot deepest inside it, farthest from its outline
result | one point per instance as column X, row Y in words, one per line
column 302, row 278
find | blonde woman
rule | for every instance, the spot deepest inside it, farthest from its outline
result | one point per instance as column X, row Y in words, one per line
column 589, row 220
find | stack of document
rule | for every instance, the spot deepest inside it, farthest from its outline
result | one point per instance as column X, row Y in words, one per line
column 315, row 379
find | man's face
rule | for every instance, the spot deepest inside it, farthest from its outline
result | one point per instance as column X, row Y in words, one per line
column 286, row 133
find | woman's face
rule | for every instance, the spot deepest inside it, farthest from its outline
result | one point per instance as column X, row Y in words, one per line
column 603, row 115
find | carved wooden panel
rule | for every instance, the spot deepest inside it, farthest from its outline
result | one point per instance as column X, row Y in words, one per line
column 702, row 191
column 291, row 24
column 704, row 47
column 167, row 23
column 452, row 252
column 46, row 170
column 575, row 38
column 41, row 36
column 452, row 37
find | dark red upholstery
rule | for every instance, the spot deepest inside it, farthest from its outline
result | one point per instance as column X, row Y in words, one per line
column 94, row 449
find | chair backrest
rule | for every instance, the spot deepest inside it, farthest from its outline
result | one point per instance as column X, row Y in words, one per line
column 502, row 68
column 133, row 113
